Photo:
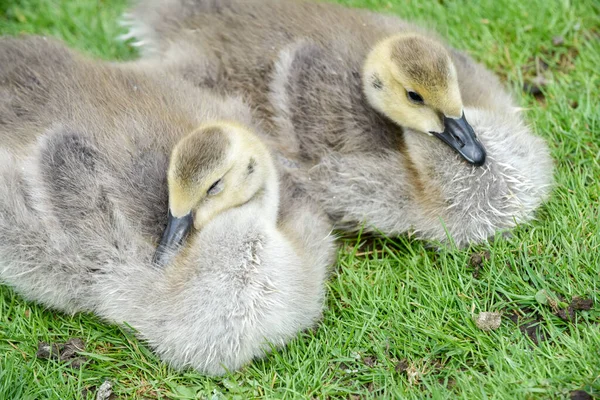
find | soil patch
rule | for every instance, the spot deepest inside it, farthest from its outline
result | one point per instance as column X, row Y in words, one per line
column 477, row 260
column 67, row 352
column 580, row 395
column 529, row 323
column 577, row 304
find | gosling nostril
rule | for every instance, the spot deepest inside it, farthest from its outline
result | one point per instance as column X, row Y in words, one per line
column 460, row 142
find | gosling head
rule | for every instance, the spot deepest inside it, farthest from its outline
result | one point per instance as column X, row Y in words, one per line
column 215, row 168
column 411, row 79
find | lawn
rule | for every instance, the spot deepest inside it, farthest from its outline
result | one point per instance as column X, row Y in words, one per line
column 400, row 316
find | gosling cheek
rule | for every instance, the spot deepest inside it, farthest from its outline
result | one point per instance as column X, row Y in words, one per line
column 434, row 127
column 204, row 215
column 201, row 218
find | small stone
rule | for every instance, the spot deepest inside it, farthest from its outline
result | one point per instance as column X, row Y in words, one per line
column 558, row 40
column 104, row 391
column 488, row 321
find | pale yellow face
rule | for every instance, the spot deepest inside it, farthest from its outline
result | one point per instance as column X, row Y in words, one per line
column 412, row 80
column 217, row 167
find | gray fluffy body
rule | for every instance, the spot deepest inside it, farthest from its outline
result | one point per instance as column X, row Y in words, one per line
column 83, row 200
column 298, row 63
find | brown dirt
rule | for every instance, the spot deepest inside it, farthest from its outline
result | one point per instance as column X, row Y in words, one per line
column 580, row 395
column 402, row 366
column 477, row 260
column 577, row 304
column 529, row 324
column 67, row 352
column 370, row 361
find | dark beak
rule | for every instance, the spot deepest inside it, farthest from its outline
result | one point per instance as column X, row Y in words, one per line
column 459, row 135
column 174, row 235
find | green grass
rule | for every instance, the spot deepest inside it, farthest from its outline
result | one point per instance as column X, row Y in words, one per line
column 399, row 321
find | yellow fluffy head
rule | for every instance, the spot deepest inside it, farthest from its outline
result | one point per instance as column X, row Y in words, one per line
column 411, row 79
column 215, row 168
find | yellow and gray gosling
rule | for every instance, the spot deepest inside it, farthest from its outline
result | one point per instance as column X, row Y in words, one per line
column 92, row 157
column 359, row 101
column 217, row 167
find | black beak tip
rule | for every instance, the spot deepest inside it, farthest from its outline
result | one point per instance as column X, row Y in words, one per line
column 477, row 156
column 480, row 158
column 460, row 136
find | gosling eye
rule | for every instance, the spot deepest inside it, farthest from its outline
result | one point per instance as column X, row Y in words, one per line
column 415, row 97
column 215, row 188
